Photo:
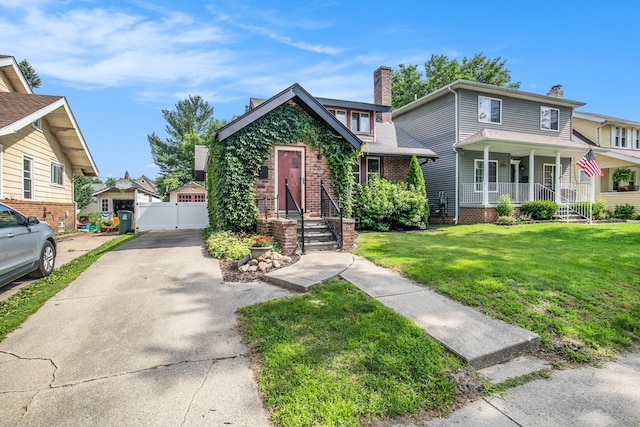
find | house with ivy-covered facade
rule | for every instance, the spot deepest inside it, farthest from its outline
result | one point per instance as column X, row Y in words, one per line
column 287, row 166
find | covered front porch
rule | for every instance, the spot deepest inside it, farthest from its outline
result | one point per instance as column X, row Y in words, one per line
column 525, row 167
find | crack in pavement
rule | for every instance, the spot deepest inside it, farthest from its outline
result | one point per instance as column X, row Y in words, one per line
column 42, row 359
column 197, row 390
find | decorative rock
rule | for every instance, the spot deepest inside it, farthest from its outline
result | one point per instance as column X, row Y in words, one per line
column 286, row 259
column 262, row 266
column 243, row 268
column 252, row 269
column 277, row 256
column 253, row 262
column 276, row 264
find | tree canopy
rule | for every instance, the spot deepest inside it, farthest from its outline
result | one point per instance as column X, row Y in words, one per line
column 82, row 190
column 191, row 123
column 408, row 83
column 29, row 74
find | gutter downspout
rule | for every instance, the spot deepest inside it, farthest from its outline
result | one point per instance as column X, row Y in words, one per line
column 606, row 122
column 457, row 131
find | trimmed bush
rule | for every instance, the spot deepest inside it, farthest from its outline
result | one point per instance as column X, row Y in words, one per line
column 600, row 208
column 383, row 205
column 540, row 209
column 505, row 206
column 625, row 211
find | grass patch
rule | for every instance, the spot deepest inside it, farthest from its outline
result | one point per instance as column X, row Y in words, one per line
column 336, row 357
column 577, row 286
column 16, row 309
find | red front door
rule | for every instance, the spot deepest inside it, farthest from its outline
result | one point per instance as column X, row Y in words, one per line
column 289, row 169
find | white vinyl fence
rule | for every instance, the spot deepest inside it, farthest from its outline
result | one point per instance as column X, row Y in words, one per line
column 171, row 216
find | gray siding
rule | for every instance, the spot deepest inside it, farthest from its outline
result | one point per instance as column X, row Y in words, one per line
column 518, row 115
column 434, row 126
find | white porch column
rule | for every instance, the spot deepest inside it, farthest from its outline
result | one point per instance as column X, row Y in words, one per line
column 532, row 162
column 558, row 179
column 485, row 178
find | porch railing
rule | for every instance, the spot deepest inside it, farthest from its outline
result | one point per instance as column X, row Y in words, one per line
column 290, row 203
column 331, row 214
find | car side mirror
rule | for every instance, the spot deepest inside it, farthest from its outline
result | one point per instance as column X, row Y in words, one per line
column 32, row 220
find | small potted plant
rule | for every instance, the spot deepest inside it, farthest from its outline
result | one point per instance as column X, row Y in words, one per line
column 621, row 175
column 260, row 246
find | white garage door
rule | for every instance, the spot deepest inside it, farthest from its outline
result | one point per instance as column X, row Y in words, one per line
column 171, row 216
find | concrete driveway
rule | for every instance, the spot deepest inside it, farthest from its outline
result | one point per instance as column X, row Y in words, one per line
column 146, row 336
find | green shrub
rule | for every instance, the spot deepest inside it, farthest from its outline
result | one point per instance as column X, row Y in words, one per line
column 540, row 209
column 505, row 206
column 227, row 245
column 625, row 211
column 524, row 217
column 382, row 205
column 600, row 208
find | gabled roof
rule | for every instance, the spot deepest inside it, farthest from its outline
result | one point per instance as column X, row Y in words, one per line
column 391, row 140
column 147, row 183
column 602, row 119
column 10, row 67
column 488, row 89
column 188, row 184
column 125, row 184
column 18, row 110
column 304, row 100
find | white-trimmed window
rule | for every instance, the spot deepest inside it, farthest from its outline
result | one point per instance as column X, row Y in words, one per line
column 582, row 177
column 373, row 167
column 360, row 122
column 478, row 174
column 355, row 169
column 37, row 124
column 549, row 118
column 104, row 205
column 619, row 137
column 57, row 173
column 341, row 115
column 489, row 110
column 549, row 175
column 27, row 177
column 636, row 139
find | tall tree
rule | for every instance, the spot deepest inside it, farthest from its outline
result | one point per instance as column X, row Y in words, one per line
column 190, row 123
column 29, row 74
column 82, row 190
column 441, row 71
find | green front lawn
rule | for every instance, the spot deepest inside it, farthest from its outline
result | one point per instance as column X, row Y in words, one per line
column 576, row 285
column 336, row 357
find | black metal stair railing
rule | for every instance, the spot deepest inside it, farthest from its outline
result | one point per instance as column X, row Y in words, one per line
column 330, row 213
column 290, row 201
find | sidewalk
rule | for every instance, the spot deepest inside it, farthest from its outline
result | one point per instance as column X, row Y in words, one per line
column 586, row 396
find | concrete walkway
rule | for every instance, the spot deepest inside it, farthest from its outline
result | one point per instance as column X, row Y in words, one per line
column 588, row 396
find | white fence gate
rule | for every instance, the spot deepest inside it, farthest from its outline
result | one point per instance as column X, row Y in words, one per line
column 171, row 216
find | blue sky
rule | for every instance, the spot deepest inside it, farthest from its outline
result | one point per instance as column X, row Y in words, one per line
column 120, row 63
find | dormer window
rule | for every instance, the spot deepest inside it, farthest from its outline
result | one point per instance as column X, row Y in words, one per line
column 341, row 115
column 360, row 122
column 37, row 124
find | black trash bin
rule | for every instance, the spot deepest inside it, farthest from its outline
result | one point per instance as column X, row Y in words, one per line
column 125, row 218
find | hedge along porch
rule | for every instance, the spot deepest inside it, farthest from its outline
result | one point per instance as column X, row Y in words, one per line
column 288, row 137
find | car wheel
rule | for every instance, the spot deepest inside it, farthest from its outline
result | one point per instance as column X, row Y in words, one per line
column 47, row 261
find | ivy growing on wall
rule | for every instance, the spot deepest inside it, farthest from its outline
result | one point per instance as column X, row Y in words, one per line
column 235, row 164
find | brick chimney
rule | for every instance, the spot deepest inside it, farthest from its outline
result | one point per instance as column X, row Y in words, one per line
column 382, row 91
column 556, row 91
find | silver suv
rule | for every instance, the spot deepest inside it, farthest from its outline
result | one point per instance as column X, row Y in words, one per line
column 27, row 246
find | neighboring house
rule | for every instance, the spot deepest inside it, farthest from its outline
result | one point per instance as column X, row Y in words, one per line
column 493, row 141
column 190, row 192
column 618, row 142
column 123, row 195
column 41, row 149
column 386, row 149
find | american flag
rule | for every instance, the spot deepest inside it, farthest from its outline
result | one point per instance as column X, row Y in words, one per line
column 589, row 164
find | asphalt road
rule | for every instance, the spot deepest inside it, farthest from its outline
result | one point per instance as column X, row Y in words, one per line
column 146, row 336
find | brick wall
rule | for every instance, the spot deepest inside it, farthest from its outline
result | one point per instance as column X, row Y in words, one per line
column 395, row 168
column 56, row 213
column 477, row 215
column 382, row 90
column 285, row 232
